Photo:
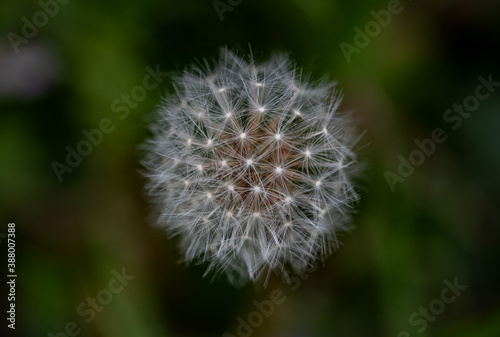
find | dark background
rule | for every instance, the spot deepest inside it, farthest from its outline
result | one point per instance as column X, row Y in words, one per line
column 441, row 223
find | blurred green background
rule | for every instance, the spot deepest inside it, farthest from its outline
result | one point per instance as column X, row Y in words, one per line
column 441, row 223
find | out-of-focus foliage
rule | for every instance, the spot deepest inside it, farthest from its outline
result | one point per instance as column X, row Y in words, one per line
column 441, row 223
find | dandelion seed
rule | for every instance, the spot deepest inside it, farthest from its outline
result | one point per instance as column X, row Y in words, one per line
column 254, row 203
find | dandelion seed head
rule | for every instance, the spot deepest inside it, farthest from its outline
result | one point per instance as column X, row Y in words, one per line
column 230, row 166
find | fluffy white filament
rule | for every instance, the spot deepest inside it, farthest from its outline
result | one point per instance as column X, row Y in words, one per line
column 250, row 165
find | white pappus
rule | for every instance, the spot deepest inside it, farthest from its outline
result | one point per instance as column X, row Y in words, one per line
column 251, row 166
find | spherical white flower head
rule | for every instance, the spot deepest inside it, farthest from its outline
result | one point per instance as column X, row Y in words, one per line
column 251, row 166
